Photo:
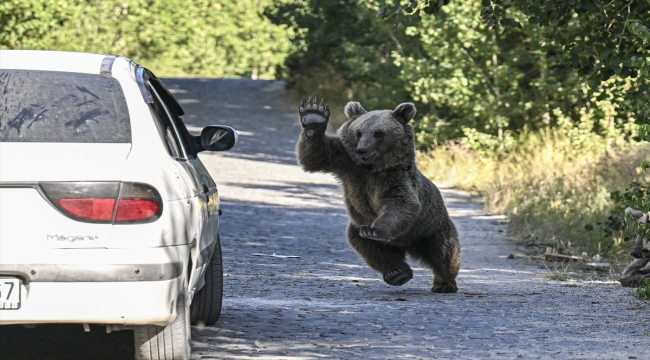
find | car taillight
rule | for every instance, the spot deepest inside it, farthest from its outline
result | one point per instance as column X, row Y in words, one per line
column 135, row 209
column 89, row 209
column 111, row 202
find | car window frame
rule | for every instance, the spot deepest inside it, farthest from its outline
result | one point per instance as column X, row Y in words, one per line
column 169, row 126
column 175, row 111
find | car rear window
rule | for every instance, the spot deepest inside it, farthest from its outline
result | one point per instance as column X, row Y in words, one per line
column 48, row 106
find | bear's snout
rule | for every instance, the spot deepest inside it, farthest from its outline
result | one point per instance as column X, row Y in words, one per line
column 361, row 152
column 365, row 155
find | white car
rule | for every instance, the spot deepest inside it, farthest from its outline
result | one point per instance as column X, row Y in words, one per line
column 107, row 215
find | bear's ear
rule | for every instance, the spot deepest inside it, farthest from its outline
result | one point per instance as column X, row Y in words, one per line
column 404, row 112
column 353, row 110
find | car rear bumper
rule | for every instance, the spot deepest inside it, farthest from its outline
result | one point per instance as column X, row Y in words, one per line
column 125, row 303
column 104, row 286
column 93, row 272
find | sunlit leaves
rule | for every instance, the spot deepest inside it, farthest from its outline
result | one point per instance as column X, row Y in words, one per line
column 29, row 23
column 492, row 82
column 637, row 28
column 592, row 33
column 202, row 37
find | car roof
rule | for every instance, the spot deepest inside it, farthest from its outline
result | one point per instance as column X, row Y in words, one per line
column 51, row 61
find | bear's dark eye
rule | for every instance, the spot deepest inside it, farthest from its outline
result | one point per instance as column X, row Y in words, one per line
column 358, row 134
column 378, row 134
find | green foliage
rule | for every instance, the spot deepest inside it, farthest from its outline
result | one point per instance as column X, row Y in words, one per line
column 28, row 24
column 593, row 36
column 637, row 195
column 592, row 32
column 180, row 37
column 345, row 53
column 469, row 81
column 643, row 291
column 641, row 106
column 493, row 82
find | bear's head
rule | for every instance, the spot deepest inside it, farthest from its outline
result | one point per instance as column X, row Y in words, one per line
column 379, row 139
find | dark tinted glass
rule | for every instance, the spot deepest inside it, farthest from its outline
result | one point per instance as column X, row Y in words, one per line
column 47, row 106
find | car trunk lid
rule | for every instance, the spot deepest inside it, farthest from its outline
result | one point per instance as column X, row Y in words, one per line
column 30, row 223
column 34, row 162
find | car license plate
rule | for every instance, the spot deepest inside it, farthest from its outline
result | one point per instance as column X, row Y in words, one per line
column 10, row 293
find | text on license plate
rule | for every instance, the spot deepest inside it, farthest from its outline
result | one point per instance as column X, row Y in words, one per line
column 10, row 293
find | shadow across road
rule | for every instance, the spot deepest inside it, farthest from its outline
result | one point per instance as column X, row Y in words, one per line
column 64, row 342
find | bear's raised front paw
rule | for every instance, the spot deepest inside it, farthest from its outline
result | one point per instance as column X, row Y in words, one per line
column 313, row 114
column 397, row 277
column 374, row 234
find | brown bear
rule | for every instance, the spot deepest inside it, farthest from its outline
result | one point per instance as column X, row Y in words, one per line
column 393, row 209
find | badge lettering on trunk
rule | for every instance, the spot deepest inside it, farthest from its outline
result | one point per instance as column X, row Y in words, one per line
column 72, row 238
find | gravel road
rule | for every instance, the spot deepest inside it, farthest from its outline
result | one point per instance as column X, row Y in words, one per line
column 326, row 303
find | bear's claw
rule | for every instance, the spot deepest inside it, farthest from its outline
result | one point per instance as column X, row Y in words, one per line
column 313, row 113
column 374, row 234
column 397, row 277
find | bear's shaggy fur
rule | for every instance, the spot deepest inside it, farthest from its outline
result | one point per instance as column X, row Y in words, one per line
column 393, row 209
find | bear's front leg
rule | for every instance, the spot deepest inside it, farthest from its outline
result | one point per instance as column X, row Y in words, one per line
column 395, row 217
column 313, row 116
column 315, row 150
column 373, row 233
column 387, row 259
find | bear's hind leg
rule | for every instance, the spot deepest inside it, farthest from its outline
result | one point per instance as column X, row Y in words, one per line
column 443, row 286
column 443, row 258
column 389, row 260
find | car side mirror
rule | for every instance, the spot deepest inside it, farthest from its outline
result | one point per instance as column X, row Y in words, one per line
column 218, row 138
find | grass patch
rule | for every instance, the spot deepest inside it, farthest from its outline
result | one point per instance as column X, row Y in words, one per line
column 643, row 291
column 554, row 189
column 556, row 276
